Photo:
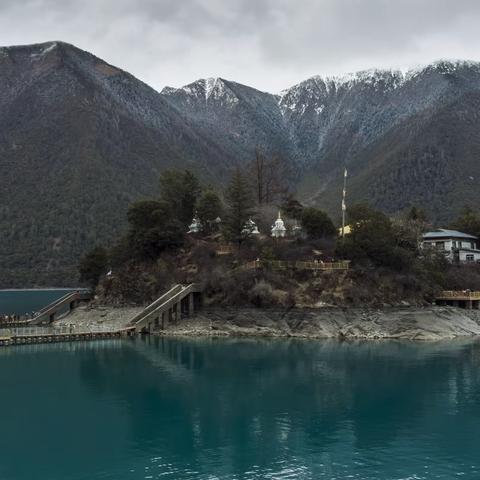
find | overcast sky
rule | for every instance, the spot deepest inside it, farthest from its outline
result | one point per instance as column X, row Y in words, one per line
column 268, row 44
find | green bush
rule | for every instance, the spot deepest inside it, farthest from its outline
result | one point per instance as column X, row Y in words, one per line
column 316, row 223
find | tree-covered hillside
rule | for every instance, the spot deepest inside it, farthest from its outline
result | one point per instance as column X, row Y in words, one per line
column 81, row 139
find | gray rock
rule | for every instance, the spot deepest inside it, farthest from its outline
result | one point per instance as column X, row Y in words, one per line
column 433, row 323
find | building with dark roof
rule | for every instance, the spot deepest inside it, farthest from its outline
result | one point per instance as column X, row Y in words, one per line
column 458, row 246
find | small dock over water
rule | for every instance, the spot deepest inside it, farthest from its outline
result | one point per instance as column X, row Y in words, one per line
column 459, row 298
column 28, row 335
column 179, row 301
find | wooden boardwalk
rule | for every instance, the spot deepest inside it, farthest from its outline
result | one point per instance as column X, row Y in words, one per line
column 459, row 298
column 286, row 265
column 459, row 295
column 179, row 300
column 28, row 335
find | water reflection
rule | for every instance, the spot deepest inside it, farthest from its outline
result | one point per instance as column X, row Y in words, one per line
column 217, row 408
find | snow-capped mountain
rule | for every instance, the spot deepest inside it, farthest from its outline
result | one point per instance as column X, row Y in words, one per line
column 392, row 131
column 370, row 121
column 238, row 117
column 80, row 139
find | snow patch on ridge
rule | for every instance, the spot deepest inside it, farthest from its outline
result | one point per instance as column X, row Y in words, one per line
column 207, row 89
column 45, row 51
column 442, row 66
column 169, row 90
column 313, row 95
column 315, row 91
column 209, row 85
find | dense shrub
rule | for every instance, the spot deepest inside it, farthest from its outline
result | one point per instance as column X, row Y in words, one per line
column 209, row 209
column 153, row 229
column 261, row 294
column 374, row 240
column 317, row 224
column 138, row 284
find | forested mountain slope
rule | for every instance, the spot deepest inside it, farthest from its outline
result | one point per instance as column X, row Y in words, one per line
column 80, row 139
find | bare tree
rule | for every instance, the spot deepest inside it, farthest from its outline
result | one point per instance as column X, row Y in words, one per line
column 270, row 176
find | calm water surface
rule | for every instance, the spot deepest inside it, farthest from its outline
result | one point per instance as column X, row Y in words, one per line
column 28, row 301
column 153, row 408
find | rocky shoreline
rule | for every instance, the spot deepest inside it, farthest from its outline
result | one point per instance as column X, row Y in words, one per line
column 408, row 323
column 108, row 316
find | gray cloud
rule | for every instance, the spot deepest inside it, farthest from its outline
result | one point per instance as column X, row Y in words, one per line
column 269, row 44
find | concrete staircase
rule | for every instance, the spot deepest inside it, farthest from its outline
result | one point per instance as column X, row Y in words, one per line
column 62, row 305
column 179, row 300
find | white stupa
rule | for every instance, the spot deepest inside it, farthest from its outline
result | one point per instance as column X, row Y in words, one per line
column 195, row 226
column 250, row 228
column 279, row 230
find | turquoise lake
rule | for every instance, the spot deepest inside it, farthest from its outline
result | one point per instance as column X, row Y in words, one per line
column 28, row 301
column 150, row 408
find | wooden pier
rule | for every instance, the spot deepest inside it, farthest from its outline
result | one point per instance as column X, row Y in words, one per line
column 24, row 336
column 169, row 308
column 459, row 298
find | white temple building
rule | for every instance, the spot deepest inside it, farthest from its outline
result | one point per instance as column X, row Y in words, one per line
column 279, row 230
column 195, row 226
column 250, row 228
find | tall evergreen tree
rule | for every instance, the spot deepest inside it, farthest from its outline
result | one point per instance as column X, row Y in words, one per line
column 240, row 206
column 180, row 190
column 153, row 228
column 209, row 208
column 292, row 207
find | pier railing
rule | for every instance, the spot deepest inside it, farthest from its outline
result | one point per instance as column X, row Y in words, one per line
column 225, row 250
column 459, row 295
column 67, row 301
column 57, row 330
column 287, row 265
column 169, row 303
column 154, row 305
column 27, row 335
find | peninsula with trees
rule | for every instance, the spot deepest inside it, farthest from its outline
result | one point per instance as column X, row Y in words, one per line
column 268, row 264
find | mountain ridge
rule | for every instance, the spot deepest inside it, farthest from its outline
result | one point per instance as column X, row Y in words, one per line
column 80, row 139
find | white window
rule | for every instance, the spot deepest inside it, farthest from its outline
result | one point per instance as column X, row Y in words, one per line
column 470, row 257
